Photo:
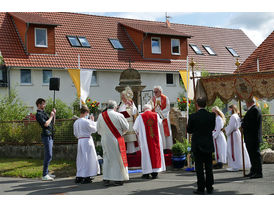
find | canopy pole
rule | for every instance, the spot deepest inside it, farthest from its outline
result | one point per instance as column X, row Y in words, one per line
column 240, row 109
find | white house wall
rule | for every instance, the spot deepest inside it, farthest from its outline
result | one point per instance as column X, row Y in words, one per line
column 105, row 90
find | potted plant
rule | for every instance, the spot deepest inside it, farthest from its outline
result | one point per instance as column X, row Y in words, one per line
column 179, row 152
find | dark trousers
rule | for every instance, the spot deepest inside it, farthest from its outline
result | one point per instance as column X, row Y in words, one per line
column 255, row 157
column 48, row 143
column 203, row 161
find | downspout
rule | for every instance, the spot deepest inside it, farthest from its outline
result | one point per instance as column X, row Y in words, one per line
column 26, row 38
column 8, row 78
column 142, row 45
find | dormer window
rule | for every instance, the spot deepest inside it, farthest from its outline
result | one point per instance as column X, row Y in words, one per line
column 175, row 46
column 232, row 51
column 116, row 44
column 209, row 50
column 41, row 37
column 195, row 48
column 155, row 45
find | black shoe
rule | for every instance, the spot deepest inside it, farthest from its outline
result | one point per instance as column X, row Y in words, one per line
column 210, row 191
column 145, row 176
column 118, row 183
column 219, row 165
column 199, row 192
column 256, row 176
column 106, row 183
column 154, row 175
column 86, row 180
column 78, row 180
column 249, row 175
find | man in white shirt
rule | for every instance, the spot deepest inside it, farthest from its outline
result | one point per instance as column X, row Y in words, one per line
column 87, row 161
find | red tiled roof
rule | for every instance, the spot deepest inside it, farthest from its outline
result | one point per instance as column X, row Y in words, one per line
column 101, row 55
column 32, row 18
column 155, row 29
column 264, row 53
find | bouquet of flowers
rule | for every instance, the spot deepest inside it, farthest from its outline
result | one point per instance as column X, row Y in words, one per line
column 92, row 105
column 182, row 104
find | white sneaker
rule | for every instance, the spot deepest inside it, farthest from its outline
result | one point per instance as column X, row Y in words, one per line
column 52, row 176
column 232, row 169
column 47, row 178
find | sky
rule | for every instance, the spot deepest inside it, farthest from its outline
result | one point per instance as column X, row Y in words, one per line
column 255, row 18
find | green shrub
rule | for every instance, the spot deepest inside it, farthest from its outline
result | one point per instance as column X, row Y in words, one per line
column 180, row 148
column 12, row 108
column 63, row 111
column 265, row 145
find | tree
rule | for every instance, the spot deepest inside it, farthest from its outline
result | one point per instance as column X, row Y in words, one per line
column 63, row 111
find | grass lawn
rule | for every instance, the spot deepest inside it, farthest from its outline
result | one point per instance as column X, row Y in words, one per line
column 32, row 168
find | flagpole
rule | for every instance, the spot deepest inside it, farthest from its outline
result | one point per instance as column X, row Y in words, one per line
column 80, row 79
column 240, row 108
column 187, row 87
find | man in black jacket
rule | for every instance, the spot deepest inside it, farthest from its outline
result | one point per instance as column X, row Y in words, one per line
column 200, row 125
column 252, row 129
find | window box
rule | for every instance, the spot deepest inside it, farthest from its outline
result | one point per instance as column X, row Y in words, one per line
column 41, row 37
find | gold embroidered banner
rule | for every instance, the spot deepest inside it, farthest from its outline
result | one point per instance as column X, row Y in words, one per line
column 237, row 86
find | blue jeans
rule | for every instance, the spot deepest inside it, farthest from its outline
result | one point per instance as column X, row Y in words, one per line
column 48, row 143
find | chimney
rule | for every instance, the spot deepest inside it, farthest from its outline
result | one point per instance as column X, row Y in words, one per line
column 167, row 23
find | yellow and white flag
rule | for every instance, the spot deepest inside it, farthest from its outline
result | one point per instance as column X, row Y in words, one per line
column 81, row 79
column 186, row 80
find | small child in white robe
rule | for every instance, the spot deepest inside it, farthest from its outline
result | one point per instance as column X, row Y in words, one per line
column 87, row 161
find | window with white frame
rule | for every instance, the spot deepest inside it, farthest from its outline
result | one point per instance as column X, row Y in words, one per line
column 155, row 45
column 169, row 79
column 25, row 76
column 175, row 46
column 41, row 37
column 47, row 74
column 93, row 81
column 209, row 50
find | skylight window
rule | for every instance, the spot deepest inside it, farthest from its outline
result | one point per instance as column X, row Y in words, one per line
column 73, row 40
column 209, row 50
column 83, row 41
column 195, row 48
column 116, row 44
column 232, row 51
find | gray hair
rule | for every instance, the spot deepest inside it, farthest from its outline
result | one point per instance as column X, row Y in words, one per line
column 111, row 104
column 158, row 87
column 147, row 107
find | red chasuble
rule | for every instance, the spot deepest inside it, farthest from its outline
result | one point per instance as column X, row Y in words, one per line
column 163, row 106
column 153, row 142
column 120, row 139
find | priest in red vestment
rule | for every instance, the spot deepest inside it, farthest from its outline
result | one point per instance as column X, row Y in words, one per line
column 147, row 127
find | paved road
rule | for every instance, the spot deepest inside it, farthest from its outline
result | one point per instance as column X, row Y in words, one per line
column 172, row 182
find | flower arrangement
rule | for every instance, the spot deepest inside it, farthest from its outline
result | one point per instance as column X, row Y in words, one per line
column 182, row 104
column 92, row 105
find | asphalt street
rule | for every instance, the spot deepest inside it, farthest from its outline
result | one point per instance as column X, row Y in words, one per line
column 171, row 182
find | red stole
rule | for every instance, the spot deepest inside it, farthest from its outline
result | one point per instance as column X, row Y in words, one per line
column 153, row 140
column 163, row 106
column 120, row 139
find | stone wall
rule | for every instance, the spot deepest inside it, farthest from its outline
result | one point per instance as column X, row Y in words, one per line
column 60, row 152
column 178, row 124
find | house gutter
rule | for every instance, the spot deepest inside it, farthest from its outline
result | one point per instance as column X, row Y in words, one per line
column 26, row 37
column 142, row 45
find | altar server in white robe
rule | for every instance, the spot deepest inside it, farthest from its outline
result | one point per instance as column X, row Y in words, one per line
column 160, row 104
column 147, row 127
column 219, row 140
column 86, row 162
column 234, row 145
column 111, row 125
column 128, row 105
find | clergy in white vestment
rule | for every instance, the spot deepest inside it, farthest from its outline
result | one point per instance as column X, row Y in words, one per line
column 86, row 161
column 128, row 105
column 234, row 144
column 111, row 125
column 147, row 126
column 160, row 104
column 219, row 140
